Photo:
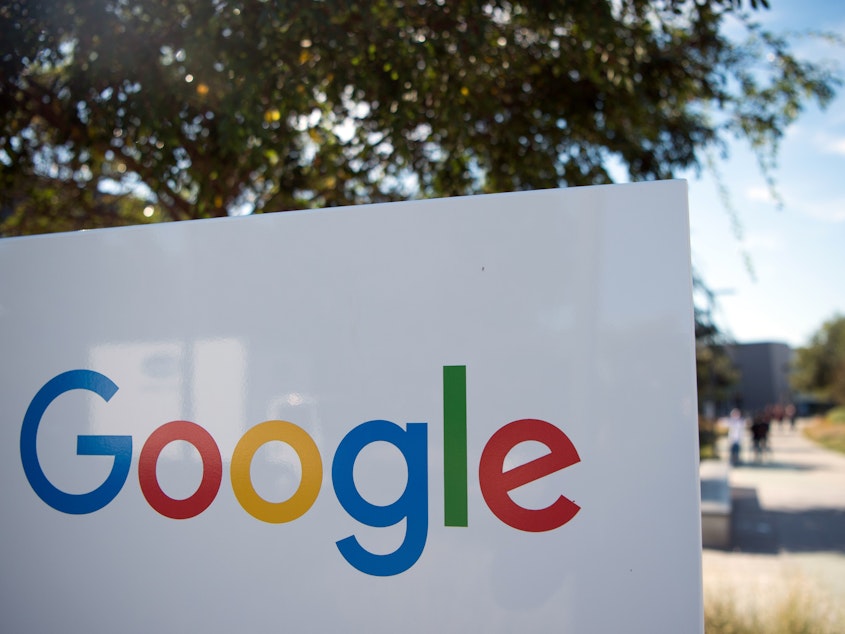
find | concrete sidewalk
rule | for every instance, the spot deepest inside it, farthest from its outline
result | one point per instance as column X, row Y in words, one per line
column 788, row 525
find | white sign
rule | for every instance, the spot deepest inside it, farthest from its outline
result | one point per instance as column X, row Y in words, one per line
column 463, row 415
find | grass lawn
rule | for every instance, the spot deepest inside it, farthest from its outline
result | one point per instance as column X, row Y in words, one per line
column 830, row 430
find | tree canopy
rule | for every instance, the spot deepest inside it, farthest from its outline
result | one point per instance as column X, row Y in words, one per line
column 115, row 110
column 820, row 366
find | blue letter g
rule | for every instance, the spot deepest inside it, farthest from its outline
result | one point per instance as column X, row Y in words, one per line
column 118, row 446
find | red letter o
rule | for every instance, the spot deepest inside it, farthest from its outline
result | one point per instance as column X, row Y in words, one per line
column 212, row 469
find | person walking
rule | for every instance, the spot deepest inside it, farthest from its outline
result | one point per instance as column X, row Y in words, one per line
column 760, row 434
column 736, row 430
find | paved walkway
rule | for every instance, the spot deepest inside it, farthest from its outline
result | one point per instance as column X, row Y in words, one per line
column 788, row 525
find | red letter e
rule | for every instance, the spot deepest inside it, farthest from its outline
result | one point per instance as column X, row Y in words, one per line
column 496, row 483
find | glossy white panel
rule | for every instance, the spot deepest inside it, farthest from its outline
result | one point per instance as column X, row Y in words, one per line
column 570, row 306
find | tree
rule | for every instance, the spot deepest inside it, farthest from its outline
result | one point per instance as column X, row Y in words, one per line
column 716, row 373
column 206, row 107
column 820, row 367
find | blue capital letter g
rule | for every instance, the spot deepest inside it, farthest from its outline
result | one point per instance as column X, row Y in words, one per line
column 118, row 446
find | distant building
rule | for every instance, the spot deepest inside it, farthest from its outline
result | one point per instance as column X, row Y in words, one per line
column 764, row 369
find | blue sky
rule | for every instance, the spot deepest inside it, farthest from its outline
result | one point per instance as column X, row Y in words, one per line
column 797, row 251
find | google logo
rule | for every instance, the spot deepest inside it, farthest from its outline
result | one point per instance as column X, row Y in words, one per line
column 411, row 441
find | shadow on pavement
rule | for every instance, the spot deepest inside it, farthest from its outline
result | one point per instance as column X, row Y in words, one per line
column 776, row 465
column 758, row 530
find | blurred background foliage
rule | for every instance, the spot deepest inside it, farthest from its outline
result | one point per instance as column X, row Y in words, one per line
column 124, row 111
column 819, row 368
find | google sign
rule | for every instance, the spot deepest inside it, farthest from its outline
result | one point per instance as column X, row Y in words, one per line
column 475, row 414
column 412, row 442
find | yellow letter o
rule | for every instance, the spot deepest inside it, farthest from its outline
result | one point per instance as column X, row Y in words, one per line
column 312, row 471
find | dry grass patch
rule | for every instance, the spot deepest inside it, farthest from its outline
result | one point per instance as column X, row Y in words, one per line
column 829, row 431
column 799, row 609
